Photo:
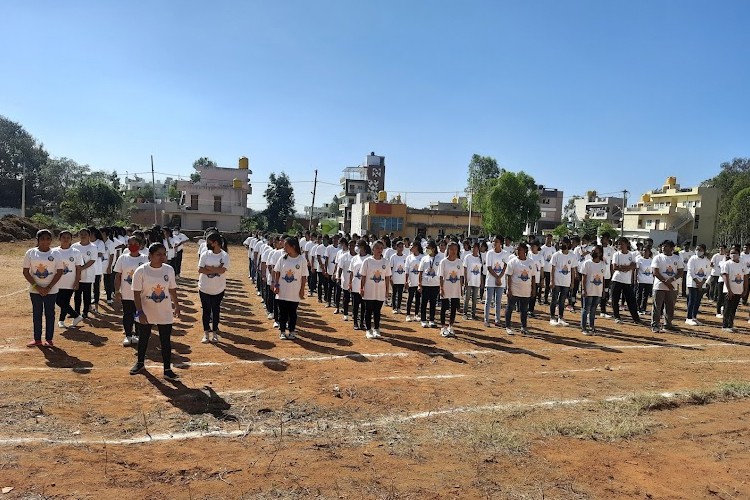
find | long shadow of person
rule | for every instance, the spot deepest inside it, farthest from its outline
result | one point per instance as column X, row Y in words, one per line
column 81, row 335
column 193, row 401
column 58, row 358
column 269, row 362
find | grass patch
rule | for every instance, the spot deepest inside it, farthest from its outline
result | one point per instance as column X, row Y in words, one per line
column 608, row 422
column 734, row 390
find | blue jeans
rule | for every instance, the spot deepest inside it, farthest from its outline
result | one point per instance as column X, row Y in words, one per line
column 494, row 293
column 588, row 313
column 559, row 293
column 43, row 306
column 693, row 302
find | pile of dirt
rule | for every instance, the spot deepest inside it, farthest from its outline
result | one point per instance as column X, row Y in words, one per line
column 14, row 228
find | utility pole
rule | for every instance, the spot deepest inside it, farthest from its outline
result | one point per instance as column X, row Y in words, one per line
column 312, row 205
column 468, row 231
column 625, row 194
column 153, row 184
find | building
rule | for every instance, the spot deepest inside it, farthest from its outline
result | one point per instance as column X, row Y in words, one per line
column 551, row 209
column 378, row 217
column 593, row 207
column 367, row 179
column 691, row 213
column 136, row 186
column 219, row 199
column 428, row 222
column 326, row 211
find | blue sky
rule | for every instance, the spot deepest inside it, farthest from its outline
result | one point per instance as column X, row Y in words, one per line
column 580, row 94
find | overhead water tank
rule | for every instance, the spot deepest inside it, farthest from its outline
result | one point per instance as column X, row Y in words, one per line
column 244, row 163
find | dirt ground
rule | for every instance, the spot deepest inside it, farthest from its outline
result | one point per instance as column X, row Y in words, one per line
column 625, row 414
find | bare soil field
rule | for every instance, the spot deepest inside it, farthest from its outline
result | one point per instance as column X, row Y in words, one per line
column 625, row 414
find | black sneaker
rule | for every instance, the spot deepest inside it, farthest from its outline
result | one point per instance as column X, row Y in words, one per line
column 137, row 368
column 170, row 375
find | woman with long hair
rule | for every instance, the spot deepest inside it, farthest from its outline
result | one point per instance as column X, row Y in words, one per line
column 125, row 268
column 375, row 280
column 429, row 283
column 412, row 266
column 68, row 284
column 355, row 284
column 212, row 282
column 155, row 295
column 42, row 268
column 290, row 275
column 451, row 273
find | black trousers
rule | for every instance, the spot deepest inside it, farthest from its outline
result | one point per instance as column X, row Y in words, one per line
column 165, row 336
column 730, row 310
column 328, row 289
column 345, row 305
column 358, row 309
column 313, row 281
column 447, row 304
column 620, row 289
column 178, row 263
column 415, row 297
column 211, row 305
column 547, row 289
column 128, row 317
column 271, row 305
column 535, row 295
column 109, row 284
column 97, row 289
column 429, row 296
column 287, row 315
column 605, row 297
column 337, row 294
column 63, row 302
column 372, row 313
column 397, row 296
column 644, row 292
column 83, row 296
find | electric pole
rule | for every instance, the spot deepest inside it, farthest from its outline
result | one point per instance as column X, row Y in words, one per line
column 625, row 194
column 153, row 184
column 312, row 206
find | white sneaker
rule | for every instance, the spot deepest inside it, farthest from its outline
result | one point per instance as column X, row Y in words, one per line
column 408, row 319
column 487, row 324
column 719, row 315
column 432, row 324
column 110, row 301
column 424, row 324
column 727, row 330
column 77, row 321
column 562, row 322
column 269, row 316
column 257, row 293
column 509, row 331
column 291, row 335
column 444, row 332
column 394, row 311
column 61, row 324
column 134, row 339
column 605, row 315
column 282, row 336
column 376, row 334
column 553, row 322
column 698, row 323
column 691, row 322
column 94, row 309
column 215, row 338
column 346, row 318
column 369, row 335
column 524, row 331
column 205, row 338
column 126, row 341
column 275, row 324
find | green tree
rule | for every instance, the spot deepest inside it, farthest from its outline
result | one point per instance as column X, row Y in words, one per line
column 280, row 198
column 204, row 162
column 481, row 170
column 19, row 151
column 733, row 178
column 561, row 230
column 58, row 176
column 174, row 194
column 511, row 202
column 609, row 228
column 737, row 220
column 335, row 209
column 195, row 177
column 92, row 201
column 590, row 227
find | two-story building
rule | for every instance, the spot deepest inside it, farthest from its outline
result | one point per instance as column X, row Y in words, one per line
column 551, row 211
column 367, row 180
column 593, row 207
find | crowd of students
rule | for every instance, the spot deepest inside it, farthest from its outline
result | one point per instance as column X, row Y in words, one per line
column 141, row 268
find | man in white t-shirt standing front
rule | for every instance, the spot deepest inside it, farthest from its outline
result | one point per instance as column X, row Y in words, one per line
column 667, row 269
column 685, row 255
column 547, row 251
column 623, row 279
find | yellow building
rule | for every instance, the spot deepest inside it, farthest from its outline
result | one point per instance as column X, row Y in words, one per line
column 690, row 213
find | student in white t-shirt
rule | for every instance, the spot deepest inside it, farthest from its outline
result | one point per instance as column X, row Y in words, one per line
column 451, row 273
column 155, row 295
column 72, row 262
column 355, row 283
column 429, row 283
column 536, row 256
column 497, row 260
column 124, row 270
column 564, row 264
column 667, row 268
column 473, row 279
column 745, row 259
column 343, row 264
column 521, row 275
column 82, row 295
column 290, row 275
column 399, row 273
column 645, row 278
column 108, row 262
column 547, row 250
column 685, row 255
column 375, row 281
column 42, row 268
column 96, row 240
column 734, row 273
column 212, row 283
column 624, row 269
column 179, row 247
column 714, row 287
column 698, row 270
column 412, row 266
column 592, row 289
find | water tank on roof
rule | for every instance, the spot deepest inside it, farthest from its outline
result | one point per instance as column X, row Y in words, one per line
column 671, row 182
column 382, row 196
column 236, row 183
column 646, row 198
column 244, row 163
column 454, row 200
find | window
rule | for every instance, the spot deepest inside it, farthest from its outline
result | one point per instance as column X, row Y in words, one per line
column 217, row 203
column 545, row 201
column 193, row 202
column 649, row 222
column 656, row 224
column 205, row 224
column 697, row 221
column 386, row 224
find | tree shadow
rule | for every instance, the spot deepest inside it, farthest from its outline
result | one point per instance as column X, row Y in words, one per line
column 193, row 401
column 59, row 358
column 269, row 362
column 85, row 336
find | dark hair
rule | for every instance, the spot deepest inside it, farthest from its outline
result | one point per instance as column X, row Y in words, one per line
column 43, row 232
column 605, row 234
column 523, row 246
column 63, row 232
column 155, row 247
column 648, row 249
column 363, row 244
column 84, row 230
column 667, row 243
column 94, row 231
column 599, row 251
column 433, row 245
column 294, row 243
column 701, row 245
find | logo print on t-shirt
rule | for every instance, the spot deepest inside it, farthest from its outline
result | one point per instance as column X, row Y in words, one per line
column 157, row 294
column 400, row 269
column 670, row 271
column 738, row 279
column 597, row 280
column 376, row 277
column 453, row 277
column 647, row 272
column 565, row 270
column 289, row 276
column 66, row 269
column 476, row 270
column 431, row 272
column 701, row 273
column 524, row 275
column 415, row 269
column 41, row 271
column 129, row 277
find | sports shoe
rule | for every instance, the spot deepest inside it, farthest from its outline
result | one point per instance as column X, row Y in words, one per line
column 282, row 336
column 562, row 322
column 291, row 335
column 269, row 316
column 432, row 324
column 553, row 322
column 524, row 331
column 486, row 324
column 376, row 333
column 698, row 323
column 94, row 309
column 346, row 317
column 584, row 331
column 424, row 324
column 691, row 322
column 77, row 321
column 605, row 315
column 727, row 330
column 719, row 315
column 49, row 343
column 369, row 335
column 137, row 368
column 61, row 324
column 337, row 311
column 509, row 331
column 445, row 332
column 618, row 321
column 215, row 338
column 205, row 339
column 275, row 324
column 170, row 375
column 110, row 301
column 257, row 293
column 134, row 339
column 126, row 341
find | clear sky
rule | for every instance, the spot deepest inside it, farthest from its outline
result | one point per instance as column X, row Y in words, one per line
column 580, row 94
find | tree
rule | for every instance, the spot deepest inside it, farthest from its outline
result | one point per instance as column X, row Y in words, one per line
column 174, row 194
column 335, row 209
column 737, row 220
column 590, row 227
column 280, row 198
column 58, row 176
column 19, row 151
column 561, row 231
column 204, row 162
column 608, row 228
column 92, row 201
column 511, row 202
column 195, row 177
column 733, row 178
column 481, row 170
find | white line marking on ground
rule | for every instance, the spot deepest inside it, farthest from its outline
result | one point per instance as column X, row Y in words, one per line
column 581, row 370
column 708, row 362
column 14, row 293
column 311, row 430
